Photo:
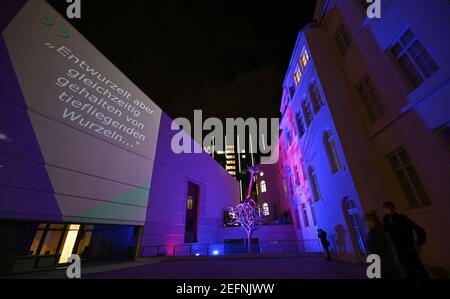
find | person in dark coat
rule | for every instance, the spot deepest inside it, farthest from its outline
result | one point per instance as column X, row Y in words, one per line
column 401, row 231
column 325, row 243
column 379, row 243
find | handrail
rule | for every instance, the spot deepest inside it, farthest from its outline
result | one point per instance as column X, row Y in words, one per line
column 225, row 249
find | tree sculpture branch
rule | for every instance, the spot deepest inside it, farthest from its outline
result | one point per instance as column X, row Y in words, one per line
column 247, row 214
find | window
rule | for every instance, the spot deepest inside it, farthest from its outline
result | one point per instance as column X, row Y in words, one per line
column 61, row 239
column 305, row 215
column 307, row 112
column 443, row 134
column 413, row 59
column 297, row 75
column 289, row 187
column 297, row 219
column 263, row 186
column 304, row 58
column 266, row 211
column 316, row 99
column 69, row 243
column 52, row 242
column 190, row 202
column 300, row 126
column 313, row 213
column 288, row 135
column 369, row 97
column 331, row 149
column 409, row 180
column 342, row 38
column 228, row 167
column 314, row 183
column 291, row 91
column 296, row 176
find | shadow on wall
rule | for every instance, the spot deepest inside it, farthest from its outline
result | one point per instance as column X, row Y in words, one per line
column 341, row 245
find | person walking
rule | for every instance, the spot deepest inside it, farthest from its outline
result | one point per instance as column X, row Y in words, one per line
column 401, row 231
column 379, row 243
column 325, row 243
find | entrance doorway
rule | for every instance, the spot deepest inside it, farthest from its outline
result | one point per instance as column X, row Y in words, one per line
column 355, row 225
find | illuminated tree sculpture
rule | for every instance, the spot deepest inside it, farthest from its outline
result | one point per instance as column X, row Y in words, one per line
column 247, row 214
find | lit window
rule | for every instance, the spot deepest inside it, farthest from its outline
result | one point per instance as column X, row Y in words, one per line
column 261, row 173
column 409, row 181
column 297, row 75
column 266, row 211
column 315, row 96
column 342, row 38
column 231, row 162
column 304, row 59
column 69, row 243
column 232, row 172
column 413, row 58
column 331, row 149
column 263, row 187
column 370, row 99
column 228, row 167
column 190, row 202
column 314, row 183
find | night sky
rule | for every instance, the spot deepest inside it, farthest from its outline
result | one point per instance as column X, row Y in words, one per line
column 227, row 58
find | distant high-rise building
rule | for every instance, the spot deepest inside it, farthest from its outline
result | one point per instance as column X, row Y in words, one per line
column 235, row 160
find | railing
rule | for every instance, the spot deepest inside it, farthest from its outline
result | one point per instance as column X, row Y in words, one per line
column 227, row 249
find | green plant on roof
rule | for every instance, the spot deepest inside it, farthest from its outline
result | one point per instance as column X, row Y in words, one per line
column 64, row 32
column 47, row 19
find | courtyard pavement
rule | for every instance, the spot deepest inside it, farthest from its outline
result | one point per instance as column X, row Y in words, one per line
column 242, row 267
column 308, row 267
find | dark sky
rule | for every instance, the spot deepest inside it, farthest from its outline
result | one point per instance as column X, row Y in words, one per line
column 227, row 58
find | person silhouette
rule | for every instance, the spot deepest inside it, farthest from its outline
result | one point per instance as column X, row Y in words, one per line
column 325, row 243
column 401, row 231
column 379, row 243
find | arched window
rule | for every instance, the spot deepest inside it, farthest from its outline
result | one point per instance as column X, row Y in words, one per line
column 266, row 211
column 354, row 224
column 315, row 97
column 330, row 145
column 314, row 183
column 263, row 187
